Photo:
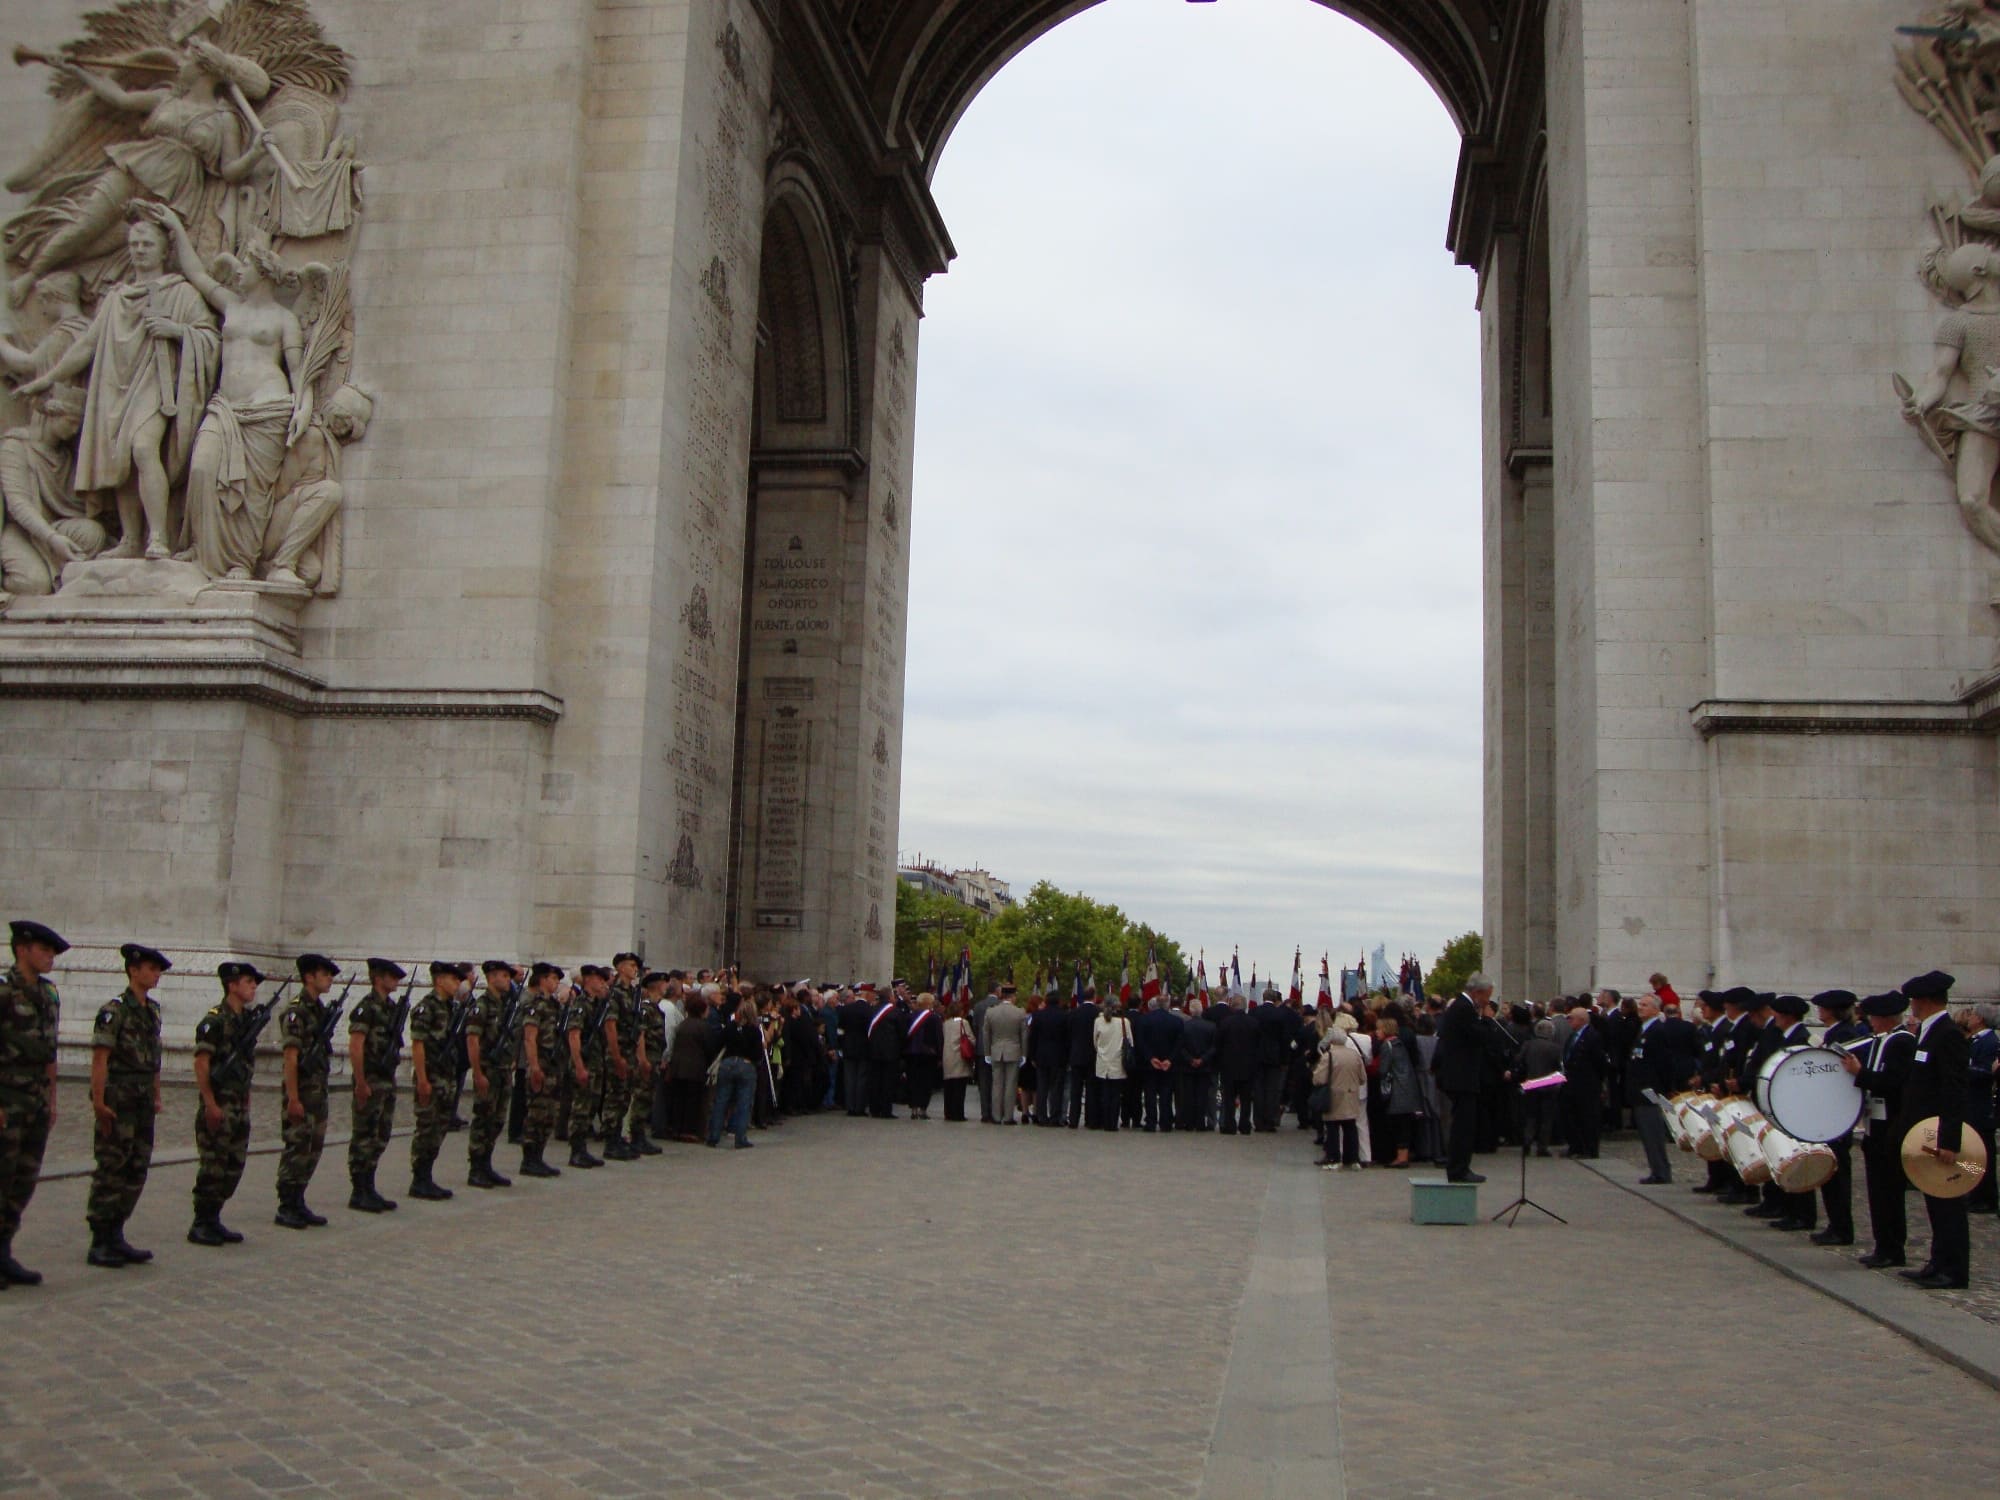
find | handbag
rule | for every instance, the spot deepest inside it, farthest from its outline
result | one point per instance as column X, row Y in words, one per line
column 1126, row 1055
column 965, row 1048
column 1319, row 1102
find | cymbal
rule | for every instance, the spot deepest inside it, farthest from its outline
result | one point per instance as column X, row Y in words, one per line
column 1932, row 1176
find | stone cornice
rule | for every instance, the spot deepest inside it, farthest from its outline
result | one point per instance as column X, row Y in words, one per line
column 1976, row 711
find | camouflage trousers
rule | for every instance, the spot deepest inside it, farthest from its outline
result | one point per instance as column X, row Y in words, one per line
column 617, row 1098
column 639, row 1114
column 372, row 1123
column 539, row 1122
column 22, row 1140
column 432, row 1117
column 124, row 1151
column 222, row 1150
column 489, row 1115
column 304, row 1139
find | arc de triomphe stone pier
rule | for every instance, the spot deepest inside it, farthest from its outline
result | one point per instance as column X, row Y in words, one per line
column 459, row 487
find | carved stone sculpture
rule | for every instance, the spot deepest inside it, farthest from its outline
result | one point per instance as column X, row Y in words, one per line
column 46, row 525
column 186, row 236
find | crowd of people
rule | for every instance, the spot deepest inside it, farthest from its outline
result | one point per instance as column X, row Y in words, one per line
column 624, row 1055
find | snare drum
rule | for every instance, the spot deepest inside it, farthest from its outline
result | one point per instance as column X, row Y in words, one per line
column 1699, row 1114
column 1743, row 1129
column 1797, row 1166
column 1677, row 1125
column 1808, row 1094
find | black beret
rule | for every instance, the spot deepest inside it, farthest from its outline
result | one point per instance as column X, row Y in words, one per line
column 386, row 966
column 1740, row 996
column 139, row 953
column 1834, row 999
column 496, row 963
column 1932, row 986
column 657, row 976
column 1893, row 1003
column 1763, row 1000
column 35, row 932
column 542, row 970
column 1789, row 1005
column 445, row 966
column 619, row 958
column 230, row 972
column 1711, row 997
column 316, row 963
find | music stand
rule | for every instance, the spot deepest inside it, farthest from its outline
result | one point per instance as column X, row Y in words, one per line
column 1513, row 1210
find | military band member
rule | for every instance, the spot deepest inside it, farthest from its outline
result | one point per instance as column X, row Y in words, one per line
column 618, row 1051
column 1881, row 1070
column 542, row 1057
column 488, row 1063
column 302, row 1033
column 649, row 1056
column 374, row 1048
column 1796, row 1211
column 432, row 1073
column 1936, row 1086
column 1739, row 1005
column 585, row 1062
column 1836, row 1014
column 1716, row 1029
column 125, row 1096
column 29, row 1011
column 222, row 1117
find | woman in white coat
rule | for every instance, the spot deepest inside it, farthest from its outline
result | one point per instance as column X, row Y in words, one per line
column 1109, row 1037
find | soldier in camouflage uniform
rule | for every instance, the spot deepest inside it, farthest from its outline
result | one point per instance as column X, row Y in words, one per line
column 222, row 1117
column 541, row 1048
column 307, row 1041
column 649, row 1043
column 433, row 1075
column 29, row 1010
column 125, row 1096
column 374, row 1048
column 585, row 1059
column 620, row 1057
column 489, row 1053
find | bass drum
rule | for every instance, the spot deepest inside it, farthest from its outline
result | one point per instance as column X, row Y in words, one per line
column 1808, row 1094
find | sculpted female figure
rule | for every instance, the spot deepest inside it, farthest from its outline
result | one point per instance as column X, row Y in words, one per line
column 151, row 356
column 190, row 135
column 254, row 415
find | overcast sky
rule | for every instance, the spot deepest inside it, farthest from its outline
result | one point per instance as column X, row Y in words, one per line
column 1195, row 589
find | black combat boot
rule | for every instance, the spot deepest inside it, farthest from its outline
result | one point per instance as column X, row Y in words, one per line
column 615, row 1148
column 642, row 1143
column 131, row 1252
column 12, row 1272
column 291, row 1210
column 387, row 1205
column 424, row 1186
column 229, row 1236
column 102, row 1251
column 493, row 1175
column 313, row 1220
column 206, row 1230
column 579, row 1152
column 532, row 1164
column 364, row 1198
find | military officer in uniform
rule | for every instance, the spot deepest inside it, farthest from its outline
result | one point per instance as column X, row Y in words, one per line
column 649, row 1054
column 542, row 1056
column 222, row 1117
column 303, row 1033
column 125, row 1096
column 433, row 1073
column 586, row 1059
column 617, row 1057
column 1881, row 1069
column 29, row 1011
column 374, row 1048
column 1836, row 1014
column 1936, row 1086
column 487, row 1049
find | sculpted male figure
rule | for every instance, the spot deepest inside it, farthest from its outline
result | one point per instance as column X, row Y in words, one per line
column 1967, row 368
column 48, row 525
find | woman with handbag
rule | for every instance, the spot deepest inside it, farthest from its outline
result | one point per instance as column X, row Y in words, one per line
column 961, row 1057
column 1343, row 1075
column 1111, row 1045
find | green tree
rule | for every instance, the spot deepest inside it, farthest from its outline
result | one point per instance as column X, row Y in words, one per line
column 1046, row 933
column 929, row 927
column 1449, row 970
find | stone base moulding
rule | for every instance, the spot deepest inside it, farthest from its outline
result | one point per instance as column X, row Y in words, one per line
column 1975, row 711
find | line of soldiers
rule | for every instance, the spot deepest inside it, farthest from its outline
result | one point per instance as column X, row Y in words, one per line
column 1907, row 1073
column 584, row 1059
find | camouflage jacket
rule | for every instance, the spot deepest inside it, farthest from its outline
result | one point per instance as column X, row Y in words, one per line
column 652, row 1025
column 129, row 1029
column 300, row 1026
column 430, row 1023
column 374, row 1019
column 544, row 1013
column 577, row 1017
column 29, row 1010
column 216, row 1037
column 484, row 1024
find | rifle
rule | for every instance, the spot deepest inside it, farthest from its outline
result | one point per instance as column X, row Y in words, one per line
column 399, row 1017
column 331, row 1024
column 235, row 1068
column 454, row 1037
column 502, row 1055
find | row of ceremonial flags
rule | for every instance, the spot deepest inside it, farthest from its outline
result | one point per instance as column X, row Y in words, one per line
column 954, row 980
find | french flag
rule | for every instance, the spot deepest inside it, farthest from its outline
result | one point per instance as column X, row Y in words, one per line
column 1325, row 984
column 964, row 986
column 1125, row 979
column 1298, row 990
column 1149, row 988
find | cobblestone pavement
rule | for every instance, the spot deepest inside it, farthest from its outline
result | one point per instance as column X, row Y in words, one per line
column 1981, row 1298
column 886, row 1310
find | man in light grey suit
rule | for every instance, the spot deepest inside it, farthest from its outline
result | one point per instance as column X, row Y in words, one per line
column 1000, row 1038
column 984, row 1069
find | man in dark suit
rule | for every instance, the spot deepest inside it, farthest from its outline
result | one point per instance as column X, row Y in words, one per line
column 1767, row 1039
column 1236, row 1063
column 1936, row 1086
column 1156, row 1042
column 854, row 1017
column 1662, row 1062
column 1836, row 1014
column 1048, row 1048
column 1194, row 1070
column 1461, row 1060
column 1881, row 1069
column 1583, row 1084
column 1083, row 1059
column 1738, row 1077
column 1274, row 1059
column 1715, row 1031
column 886, row 1025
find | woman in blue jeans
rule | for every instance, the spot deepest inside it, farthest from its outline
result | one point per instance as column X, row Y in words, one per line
column 736, row 1076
